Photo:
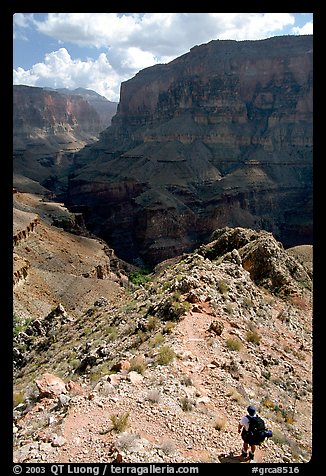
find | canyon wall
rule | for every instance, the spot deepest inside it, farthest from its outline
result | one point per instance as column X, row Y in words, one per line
column 48, row 128
column 221, row 136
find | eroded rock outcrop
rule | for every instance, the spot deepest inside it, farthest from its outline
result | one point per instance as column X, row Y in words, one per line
column 221, row 136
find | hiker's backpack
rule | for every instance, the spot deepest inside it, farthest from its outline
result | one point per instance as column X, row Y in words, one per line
column 257, row 431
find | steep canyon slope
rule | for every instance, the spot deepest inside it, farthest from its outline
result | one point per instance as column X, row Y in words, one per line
column 160, row 372
column 49, row 127
column 220, row 136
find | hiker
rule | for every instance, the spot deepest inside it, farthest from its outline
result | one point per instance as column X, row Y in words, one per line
column 248, row 439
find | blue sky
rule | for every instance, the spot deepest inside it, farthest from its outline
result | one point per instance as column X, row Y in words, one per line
column 100, row 50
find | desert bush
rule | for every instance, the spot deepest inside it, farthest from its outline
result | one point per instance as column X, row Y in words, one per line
column 165, row 356
column 168, row 327
column 220, row 423
column 247, row 302
column 186, row 380
column 98, row 371
column 233, row 344
column 138, row 364
column 279, row 438
column 168, row 447
column 141, row 336
column 126, row 441
column 267, row 402
column 154, row 396
column 152, row 323
column 112, row 332
column 20, row 325
column 119, row 422
column 235, row 396
column 229, row 309
column 253, row 337
column 186, row 404
column 156, row 340
column 18, row 398
column 223, row 287
column 172, row 308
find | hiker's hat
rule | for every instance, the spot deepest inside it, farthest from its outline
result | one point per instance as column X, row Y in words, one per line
column 251, row 410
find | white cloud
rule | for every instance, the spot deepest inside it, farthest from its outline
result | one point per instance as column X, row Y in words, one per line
column 135, row 41
column 306, row 29
column 60, row 70
column 21, row 20
column 89, row 29
column 160, row 33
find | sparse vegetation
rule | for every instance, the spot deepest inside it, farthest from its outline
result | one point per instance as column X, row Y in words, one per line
column 168, row 447
column 165, row 356
column 156, row 340
column 154, row 396
column 233, row 344
column 119, row 422
column 140, row 277
column 20, row 325
column 223, row 287
column 186, row 404
column 138, row 364
column 168, row 327
column 172, row 308
column 235, row 396
column 187, row 381
column 220, row 422
column 18, row 398
column 141, row 328
column 253, row 337
column 152, row 323
column 126, row 441
column 112, row 333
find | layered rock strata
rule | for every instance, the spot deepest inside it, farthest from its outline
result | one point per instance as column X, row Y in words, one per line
column 221, row 136
column 48, row 128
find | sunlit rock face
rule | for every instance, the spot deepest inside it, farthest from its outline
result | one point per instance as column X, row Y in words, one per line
column 221, row 136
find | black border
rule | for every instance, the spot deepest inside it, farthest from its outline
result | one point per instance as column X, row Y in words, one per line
column 6, row 448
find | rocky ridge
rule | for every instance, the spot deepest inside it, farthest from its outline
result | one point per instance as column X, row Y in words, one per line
column 163, row 371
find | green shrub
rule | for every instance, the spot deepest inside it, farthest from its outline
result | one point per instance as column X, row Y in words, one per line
column 223, row 287
column 18, row 398
column 168, row 328
column 152, row 323
column 20, row 325
column 233, row 344
column 112, row 332
column 166, row 355
column 172, row 309
column 156, row 340
column 140, row 277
